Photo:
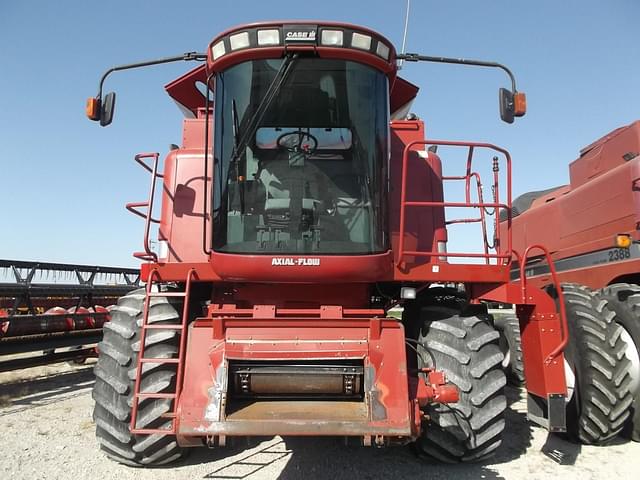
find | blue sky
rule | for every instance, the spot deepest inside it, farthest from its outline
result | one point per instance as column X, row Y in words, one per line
column 65, row 180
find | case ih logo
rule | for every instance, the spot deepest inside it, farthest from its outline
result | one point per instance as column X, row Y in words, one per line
column 300, row 33
column 301, row 36
column 295, row 262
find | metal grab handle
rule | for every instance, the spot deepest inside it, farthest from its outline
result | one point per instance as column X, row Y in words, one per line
column 134, row 207
column 140, row 159
column 183, row 337
column 564, row 327
column 145, row 256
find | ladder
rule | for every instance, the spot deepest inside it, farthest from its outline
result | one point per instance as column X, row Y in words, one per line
column 179, row 362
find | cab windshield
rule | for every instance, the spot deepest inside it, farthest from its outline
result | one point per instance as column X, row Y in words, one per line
column 310, row 176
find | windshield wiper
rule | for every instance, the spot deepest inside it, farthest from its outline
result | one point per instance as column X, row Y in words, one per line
column 254, row 121
column 272, row 91
column 236, row 123
column 236, row 129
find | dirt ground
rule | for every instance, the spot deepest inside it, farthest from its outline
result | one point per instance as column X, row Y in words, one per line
column 46, row 432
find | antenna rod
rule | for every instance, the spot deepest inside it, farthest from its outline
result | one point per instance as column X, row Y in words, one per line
column 406, row 28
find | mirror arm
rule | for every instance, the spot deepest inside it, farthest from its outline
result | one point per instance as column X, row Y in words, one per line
column 414, row 57
column 187, row 57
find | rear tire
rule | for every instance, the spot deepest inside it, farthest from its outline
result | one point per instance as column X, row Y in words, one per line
column 624, row 300
column 115, row 380
column 511, row 346
column 466, row 349
column 601, row 401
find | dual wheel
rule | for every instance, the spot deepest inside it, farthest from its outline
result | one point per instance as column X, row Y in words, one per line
column 471, row 349
column 624, row 300
column 600, row 366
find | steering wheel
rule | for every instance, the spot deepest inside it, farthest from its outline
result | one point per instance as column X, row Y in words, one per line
column 298, row 141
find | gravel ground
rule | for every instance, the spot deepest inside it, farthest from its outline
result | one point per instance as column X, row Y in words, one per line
column 46, row 431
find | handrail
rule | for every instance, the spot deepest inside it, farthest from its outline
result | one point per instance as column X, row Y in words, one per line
column 134, row 207
column 564, row 330
column 155, row 275
column 183, row 337
column 468, row 204
column 205, row 199
column 140, row 159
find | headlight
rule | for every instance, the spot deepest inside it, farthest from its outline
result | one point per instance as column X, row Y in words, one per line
column 239, row 40
column 268, row 37
column 358, row 40
column 218, row 50
column 332, row 38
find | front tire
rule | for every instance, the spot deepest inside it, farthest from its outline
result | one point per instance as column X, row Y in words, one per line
column 115, row 379
column 511, row 346
column 601, row 400
column 624, row 300
column 466, row 349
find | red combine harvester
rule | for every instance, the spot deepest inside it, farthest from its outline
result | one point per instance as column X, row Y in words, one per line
column 303, row 203
column 591, row 229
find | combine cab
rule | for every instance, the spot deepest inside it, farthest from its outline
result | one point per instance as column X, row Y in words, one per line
column 302, row 205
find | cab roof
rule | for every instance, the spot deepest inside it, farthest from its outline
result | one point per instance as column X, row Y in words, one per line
column 325, row 39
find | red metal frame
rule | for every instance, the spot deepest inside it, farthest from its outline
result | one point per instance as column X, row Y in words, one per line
column 266, row 332
column 563, row 312
column 227, row 316
column 404, row 203
column 134, row 207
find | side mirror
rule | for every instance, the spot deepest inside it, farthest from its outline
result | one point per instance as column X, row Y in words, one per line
column 505, row 97
column 107, row 109
column 512, row 104
column 102, row 110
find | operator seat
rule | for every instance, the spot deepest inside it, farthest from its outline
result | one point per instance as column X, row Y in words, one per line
column 286, row 186
column 292, row 190
column 316, row 189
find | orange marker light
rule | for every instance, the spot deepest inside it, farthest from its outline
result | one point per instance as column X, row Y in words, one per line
column 93, row 108
column 519, row 104
column 623, row 240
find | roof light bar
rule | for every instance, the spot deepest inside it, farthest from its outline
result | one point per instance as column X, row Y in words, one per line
column 301, row 34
